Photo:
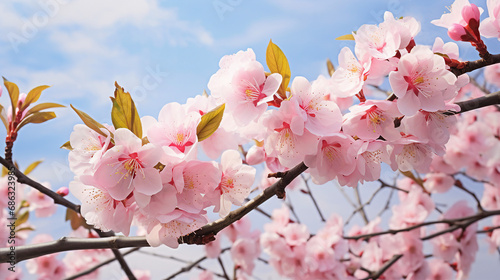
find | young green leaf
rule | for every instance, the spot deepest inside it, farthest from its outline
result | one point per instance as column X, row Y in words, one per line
column 43, row 106
column 278, row 63
column 89, row 121
column 32, row 166
column 33, row 96
column 210, row 122
column 330, row 67
column 67, row 146
column 3, row 116
column 13, row 90
column 38, row 117
column 22, row 218
column 124, row 113
column 346, row 37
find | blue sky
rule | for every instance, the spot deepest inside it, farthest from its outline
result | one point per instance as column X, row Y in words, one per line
column 165, row 51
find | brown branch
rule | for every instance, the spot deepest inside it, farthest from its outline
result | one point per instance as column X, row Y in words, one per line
column 473, row 65
column 22, row 178
column 476, row 103
column 459, row 223
column 313, row 199
column 208, row 231
column 58, row 199
column 204, row 233
column 64, row 244
column 376, row 274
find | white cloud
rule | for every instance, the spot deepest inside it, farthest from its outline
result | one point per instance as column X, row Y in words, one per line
column 257, row 32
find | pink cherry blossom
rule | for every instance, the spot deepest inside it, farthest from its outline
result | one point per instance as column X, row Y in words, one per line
column 170, row 227
column 288, row 139
column 350, row 75
column 335, row 156
column 369, row 157
column 329, row 89
column 421, row 81
column 241, row 83
column 380, row 42
column 322, row 117
column 440, row 270
column 454, row 16
column 490, row 27
column 175, row 129
column 438, row 182
column 88, row 148
column 193, row 180
column 492, row 74
column 129, row 166
column 100, row 209
column 371, row 119
column 40, row 203
column 235, row 183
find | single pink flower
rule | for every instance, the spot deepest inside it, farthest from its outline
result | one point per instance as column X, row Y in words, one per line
column 421, row 82
column 129, row 166
column 322, row 117
column 288, row 140
column 335, row 156
column 235, row 184
column 371, row 119
column 490, row 27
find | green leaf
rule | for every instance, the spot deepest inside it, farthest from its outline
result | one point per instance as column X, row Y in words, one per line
column 32, row 166
column 43, row 106
column 89, row 121
column 124, row 113
column 22, row 218
column 278, row 63
column 5, row 171
column 13, row 90
column 4, row 117
column 349, row 37
column 67, row 146
column 330, row 67
column 38, row 117
column 210, row 122
column 33, row 96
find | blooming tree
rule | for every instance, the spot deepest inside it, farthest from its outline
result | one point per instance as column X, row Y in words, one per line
column 146, row 181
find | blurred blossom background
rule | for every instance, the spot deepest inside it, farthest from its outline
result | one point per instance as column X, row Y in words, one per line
column 166, row 51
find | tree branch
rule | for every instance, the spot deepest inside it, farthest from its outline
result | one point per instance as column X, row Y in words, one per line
column 476, row 103
column 204, row 233
column 210, row 230
column 459, row 222
column 473, row 65
column 26, row 252
column 376, row 274
column 22, row 178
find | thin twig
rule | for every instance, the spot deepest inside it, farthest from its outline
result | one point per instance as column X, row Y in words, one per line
column 361, row 208
column 306, row 182
column 223, row 268
column 376, row 274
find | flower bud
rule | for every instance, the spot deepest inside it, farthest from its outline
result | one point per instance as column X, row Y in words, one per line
column 255, row 155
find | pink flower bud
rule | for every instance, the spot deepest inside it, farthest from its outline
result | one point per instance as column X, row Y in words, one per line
column 470, row 12
column 63, row 191
column 255, row 155
column 458, row 33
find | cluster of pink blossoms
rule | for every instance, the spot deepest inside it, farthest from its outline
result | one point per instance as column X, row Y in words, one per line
column 160, row 184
